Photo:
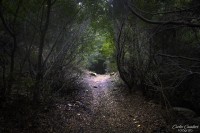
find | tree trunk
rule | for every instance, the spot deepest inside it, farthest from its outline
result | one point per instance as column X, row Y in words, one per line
column 11, row 32
column 39, row 76
column 12, row 65
column 3, row 90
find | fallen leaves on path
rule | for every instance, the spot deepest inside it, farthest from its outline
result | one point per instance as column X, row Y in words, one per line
column 112, row 110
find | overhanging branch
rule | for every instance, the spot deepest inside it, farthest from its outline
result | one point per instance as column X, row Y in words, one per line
column 162, row 22
column 180, row 57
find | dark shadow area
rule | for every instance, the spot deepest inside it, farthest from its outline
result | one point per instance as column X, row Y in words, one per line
column 98, row 67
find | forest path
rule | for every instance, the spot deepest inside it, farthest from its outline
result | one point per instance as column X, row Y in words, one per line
column 103, row 108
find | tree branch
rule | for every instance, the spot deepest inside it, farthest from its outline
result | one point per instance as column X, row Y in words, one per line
column 180, row 57
column 162, row 22
column 167, row 12
column 4, row 22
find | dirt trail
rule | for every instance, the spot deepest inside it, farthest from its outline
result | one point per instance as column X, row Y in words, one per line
column 104, row 108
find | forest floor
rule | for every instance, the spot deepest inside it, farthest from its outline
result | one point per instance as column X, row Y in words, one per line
column 100, row 106
column 103, row 107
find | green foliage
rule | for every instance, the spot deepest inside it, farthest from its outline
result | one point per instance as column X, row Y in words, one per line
column 107, row 50
column 99, row 46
